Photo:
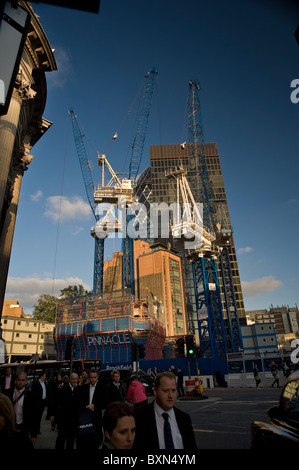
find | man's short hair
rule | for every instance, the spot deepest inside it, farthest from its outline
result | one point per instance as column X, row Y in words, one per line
column 169, row 375
column 115, row 372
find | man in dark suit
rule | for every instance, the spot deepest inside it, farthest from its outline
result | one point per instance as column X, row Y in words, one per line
column 160, row 425
column 22, row 400
column 113, row 391
column 65, row 409
column 7, row 381
column 39, row 391
column 90, row 397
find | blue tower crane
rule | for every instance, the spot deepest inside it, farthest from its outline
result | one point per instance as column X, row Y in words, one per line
column 205, row 273
column 144, row 111
column 89, row 187
column 135, row 161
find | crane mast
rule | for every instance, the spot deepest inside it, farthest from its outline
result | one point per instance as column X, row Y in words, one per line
column 211, row 329
column 134, row 166
column 144, row 111
column 205, row 273
column 223, row 236
column 89, row 187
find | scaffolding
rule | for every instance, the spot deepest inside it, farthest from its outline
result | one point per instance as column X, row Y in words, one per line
column 105, row 327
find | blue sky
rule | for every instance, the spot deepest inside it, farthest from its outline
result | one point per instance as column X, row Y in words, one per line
column 245, row 56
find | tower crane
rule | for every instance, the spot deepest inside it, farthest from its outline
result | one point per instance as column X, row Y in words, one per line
column 202, row 253
column 105, row 226
column 118, row 193
column 135, row 161
column 207, row 292
column 89, row 187
column 188, row 223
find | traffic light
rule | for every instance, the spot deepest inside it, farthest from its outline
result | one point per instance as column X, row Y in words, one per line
column 180, row 347
column 190, row 345
column 141, row 351
column 134, row 352
column 198, row 352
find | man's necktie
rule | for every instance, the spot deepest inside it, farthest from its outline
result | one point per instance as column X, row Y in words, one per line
column 16, row 402
column 167, row 432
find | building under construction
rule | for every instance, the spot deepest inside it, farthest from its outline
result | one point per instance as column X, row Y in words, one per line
column 105, row 327
column 199, row 288
column 163, row 157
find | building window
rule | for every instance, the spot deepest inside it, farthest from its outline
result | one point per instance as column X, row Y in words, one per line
column 17, row 335
column 30, row 335
column 24, row 346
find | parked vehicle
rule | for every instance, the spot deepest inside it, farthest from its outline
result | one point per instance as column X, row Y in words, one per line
column 283, row 429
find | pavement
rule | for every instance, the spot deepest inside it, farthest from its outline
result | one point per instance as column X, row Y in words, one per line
column 47, row 438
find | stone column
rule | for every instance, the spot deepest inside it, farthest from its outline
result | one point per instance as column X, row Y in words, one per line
column 6, row 236
column 12, row 169
column 8, row 130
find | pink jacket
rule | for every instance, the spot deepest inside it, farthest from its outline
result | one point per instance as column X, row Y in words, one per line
column 136, row 392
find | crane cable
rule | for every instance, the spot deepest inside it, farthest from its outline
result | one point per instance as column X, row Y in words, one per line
column 126, row 116
column 121, row 125
column 59, row 214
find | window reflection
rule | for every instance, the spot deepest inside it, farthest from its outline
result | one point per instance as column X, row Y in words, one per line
column 290, row 400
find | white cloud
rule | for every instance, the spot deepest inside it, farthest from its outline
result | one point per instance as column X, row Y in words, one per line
column 246, row 249
column 58, row 78
column 77, row 230
column 260, row 286
column 28, row 290
column 37, row 196
column 63, row 208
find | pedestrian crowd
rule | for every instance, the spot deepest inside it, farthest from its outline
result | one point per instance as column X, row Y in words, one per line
column 274, row 371
column 89, row 414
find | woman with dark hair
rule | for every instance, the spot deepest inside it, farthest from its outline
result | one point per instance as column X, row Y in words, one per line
column 119, row 426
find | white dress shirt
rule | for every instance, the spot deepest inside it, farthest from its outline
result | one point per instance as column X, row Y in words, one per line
column 44, row 389
column 91, row 392
column 18, row 407
column 176, row 435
